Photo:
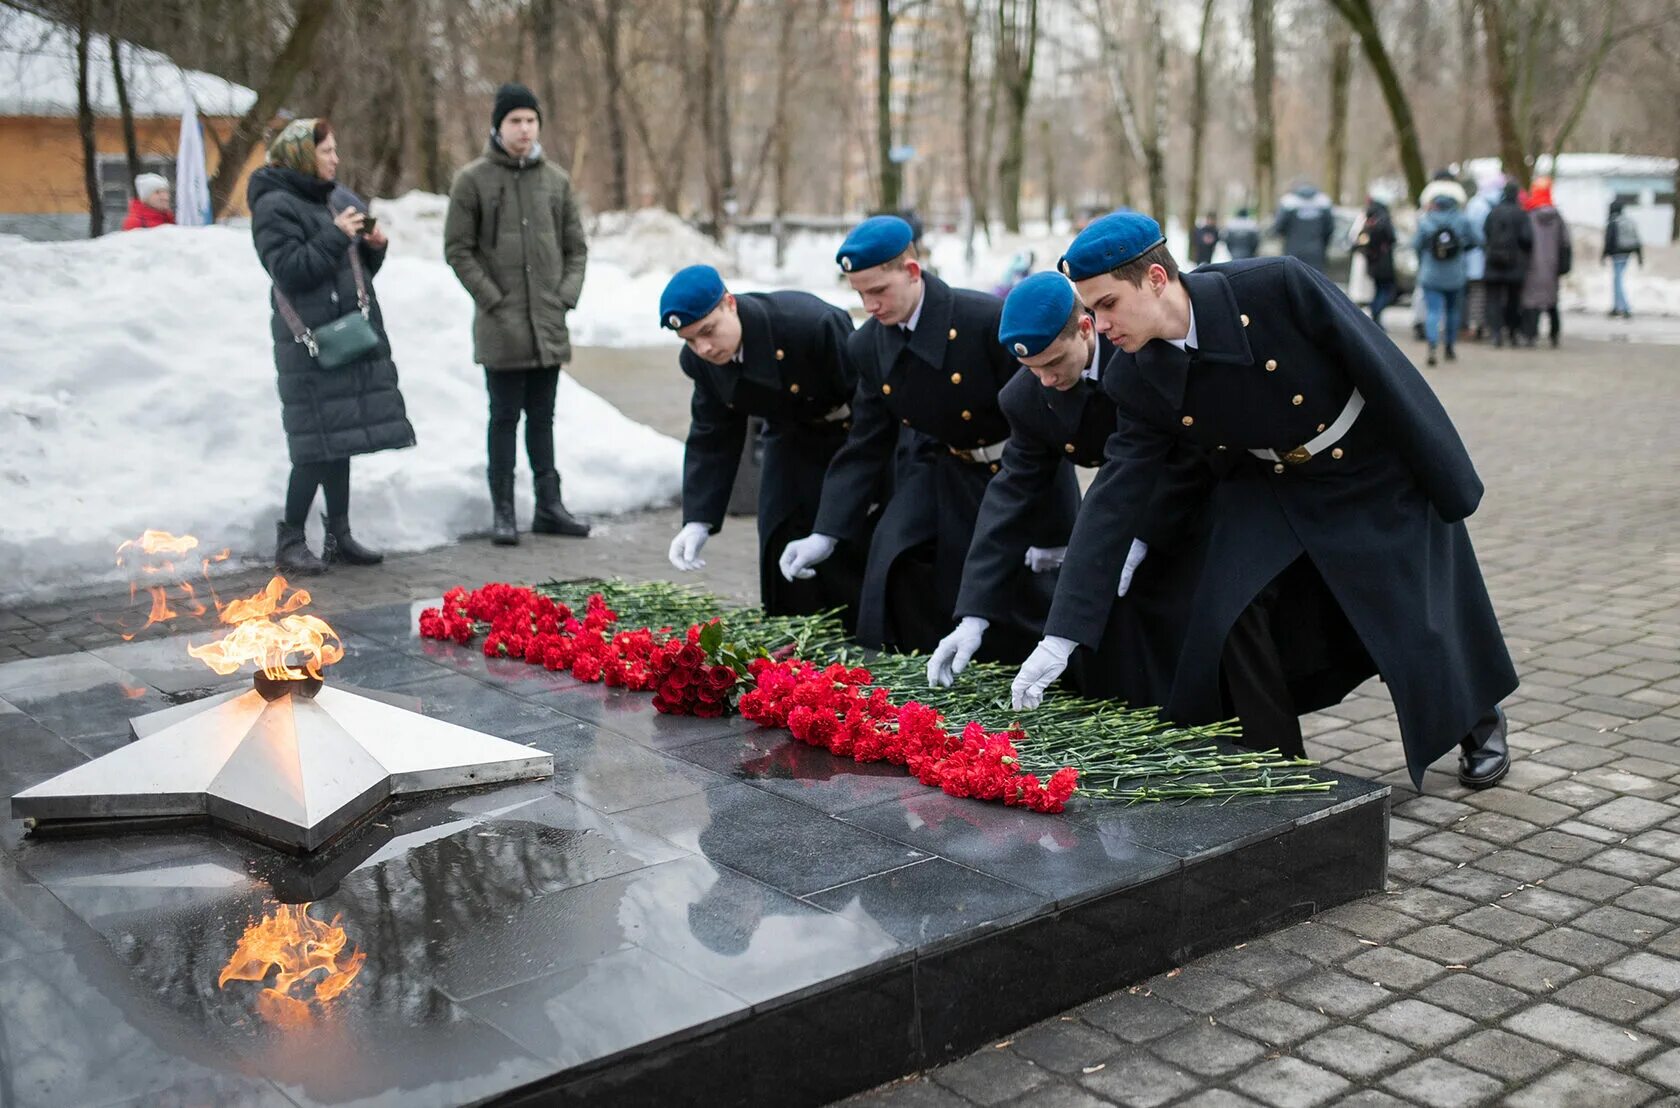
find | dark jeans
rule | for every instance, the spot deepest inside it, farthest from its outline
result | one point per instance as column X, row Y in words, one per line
column 530, row 391
column 1504, row 309
column 332, row 477
column 1380, row 299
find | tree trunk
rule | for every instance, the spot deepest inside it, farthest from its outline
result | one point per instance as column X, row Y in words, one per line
column 429, row 126
column 1341, row 75
column 1017, row 44
column 471, row 137
column 312, row 15
column 84, row 125
column 1198, row 128
column 1364, row 23
column 781, row 145
column 1155, row 161
column 131, row 145
column 714, row 80
column 1265, row 141
column 970, row 163
column 1500, row 87
column 1047, row 141
column 1594, row 64
column 891, row 173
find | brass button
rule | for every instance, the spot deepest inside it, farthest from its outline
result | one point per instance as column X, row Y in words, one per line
column 846, row 425
column 956, row 378
column 1297, row 399
column 1278, row 468
column 984, row 442
column 886, row 390
column 780, row 355
column 952, row 334
column 906, row 422
column 1221, row 446
column 1068, row 447
column 967, row 415
column 1244, row 319
column 1321, row 428
column 994, row 467
column 794, row 388
column 1271, row 365
column 1188, row 421
column 1336, row 453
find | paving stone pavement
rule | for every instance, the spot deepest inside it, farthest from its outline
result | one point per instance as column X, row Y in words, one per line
column 1527, row 950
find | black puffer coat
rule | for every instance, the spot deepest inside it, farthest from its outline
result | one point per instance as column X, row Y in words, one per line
column 327, row 413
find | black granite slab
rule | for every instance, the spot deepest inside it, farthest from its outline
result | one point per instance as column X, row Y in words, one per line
column 688, row 912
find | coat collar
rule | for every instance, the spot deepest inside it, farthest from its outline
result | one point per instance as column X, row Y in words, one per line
column 1069, row 407
column 758, row 341
column 1219, row 334
column 932, row 333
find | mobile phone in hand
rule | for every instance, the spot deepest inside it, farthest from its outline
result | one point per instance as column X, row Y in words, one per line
column 369, row 223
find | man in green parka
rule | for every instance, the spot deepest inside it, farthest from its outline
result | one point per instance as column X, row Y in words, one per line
column 514, row 239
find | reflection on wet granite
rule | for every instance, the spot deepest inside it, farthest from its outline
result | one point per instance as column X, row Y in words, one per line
column 689, row 911
column 771, row 760
column 1050, row 855
column 777, row 841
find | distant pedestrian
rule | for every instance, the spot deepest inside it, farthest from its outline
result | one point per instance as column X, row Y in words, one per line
column 1489, row 187
column 1376, row 243
column 1443, row 236
column 1621, row 242
column 151, row 205
column 514, row 239
column 1305, row 222
column 338, row 388
column 1550, row 260
column 1242, row 235
column 1206, row 239
column 1509, row 240
column 1443, row 183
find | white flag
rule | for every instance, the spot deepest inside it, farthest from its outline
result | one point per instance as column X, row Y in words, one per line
column 192, row 180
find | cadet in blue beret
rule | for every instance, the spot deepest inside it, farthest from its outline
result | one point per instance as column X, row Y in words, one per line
column 1058, row 412
column 781, row 357
column 1337, row 548
column 929, row 364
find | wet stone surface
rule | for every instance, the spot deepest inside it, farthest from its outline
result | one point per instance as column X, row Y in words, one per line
column 697, row 889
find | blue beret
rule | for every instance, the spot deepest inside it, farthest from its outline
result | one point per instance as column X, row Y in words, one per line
column 875, row 241
column 692, row 293
column 1110, row 242
column 1034, row 313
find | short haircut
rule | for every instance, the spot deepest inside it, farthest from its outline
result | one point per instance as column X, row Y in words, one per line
column 1071, row 327
column 1134, row 271
column 908, row 255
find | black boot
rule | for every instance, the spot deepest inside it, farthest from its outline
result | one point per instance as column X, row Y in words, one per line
column 1486, row 756
column 1431, row 360
column 341, row 548
column 292, row 553
column 504, row 529
column 551, row 517
column 1451, row 352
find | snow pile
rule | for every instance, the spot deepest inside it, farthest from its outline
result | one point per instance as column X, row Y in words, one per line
column 137, row 390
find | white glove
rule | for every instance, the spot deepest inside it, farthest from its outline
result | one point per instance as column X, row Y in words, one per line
column 1134, row 558
column 1043, row 559
column 801, row 554
column 954, row 651
column 1046, row 663
column 685, row 548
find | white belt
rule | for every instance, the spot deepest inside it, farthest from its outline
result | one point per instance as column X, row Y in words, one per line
column 844, row 411
column 990, row 453
column 1321, row 442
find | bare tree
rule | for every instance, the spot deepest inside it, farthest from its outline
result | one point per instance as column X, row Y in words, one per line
column 1363, row 20
column 1017, row 46
column 1198, row 127
column 312, row 16
column 606, row 21
column 119, row 81
column 891, row 173
column 719, row 161
column 1265, row 136
column 1341, row 75
column 1155, row 138
column 85, row 123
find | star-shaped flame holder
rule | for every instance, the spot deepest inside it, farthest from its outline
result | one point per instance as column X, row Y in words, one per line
column 294, row 763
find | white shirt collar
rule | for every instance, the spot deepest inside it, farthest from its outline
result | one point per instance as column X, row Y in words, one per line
column 915, row 316
column 740, row 357
column 1188, row 342
column 1089, row 373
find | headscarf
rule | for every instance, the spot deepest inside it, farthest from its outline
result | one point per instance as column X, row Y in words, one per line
column 294, row 147
column 1540, row 196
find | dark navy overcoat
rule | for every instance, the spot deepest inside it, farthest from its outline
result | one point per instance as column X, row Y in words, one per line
column 941, row 382
column 1379, row 517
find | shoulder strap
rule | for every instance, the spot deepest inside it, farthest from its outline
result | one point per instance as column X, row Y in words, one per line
column 294, row 322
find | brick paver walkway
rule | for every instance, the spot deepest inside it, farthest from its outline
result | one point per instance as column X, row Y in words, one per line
column 1528, row 948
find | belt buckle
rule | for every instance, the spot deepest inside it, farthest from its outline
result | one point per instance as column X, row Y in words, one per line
column 1298, row 456
column 961, row 455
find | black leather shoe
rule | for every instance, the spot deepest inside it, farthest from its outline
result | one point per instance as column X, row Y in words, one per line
column 1484, row 762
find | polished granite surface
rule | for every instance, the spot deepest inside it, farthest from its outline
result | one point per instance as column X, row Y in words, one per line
column 685, row 902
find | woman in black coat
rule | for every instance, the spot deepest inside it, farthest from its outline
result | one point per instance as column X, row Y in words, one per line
column 328, row 414
column 1509, row 238
column 1376, row 242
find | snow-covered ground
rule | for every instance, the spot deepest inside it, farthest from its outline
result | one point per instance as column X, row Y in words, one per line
column 137, row 390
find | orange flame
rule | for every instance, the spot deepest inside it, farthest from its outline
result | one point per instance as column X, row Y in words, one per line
column 152, row 555
column 260, row 638
column 297, row 946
